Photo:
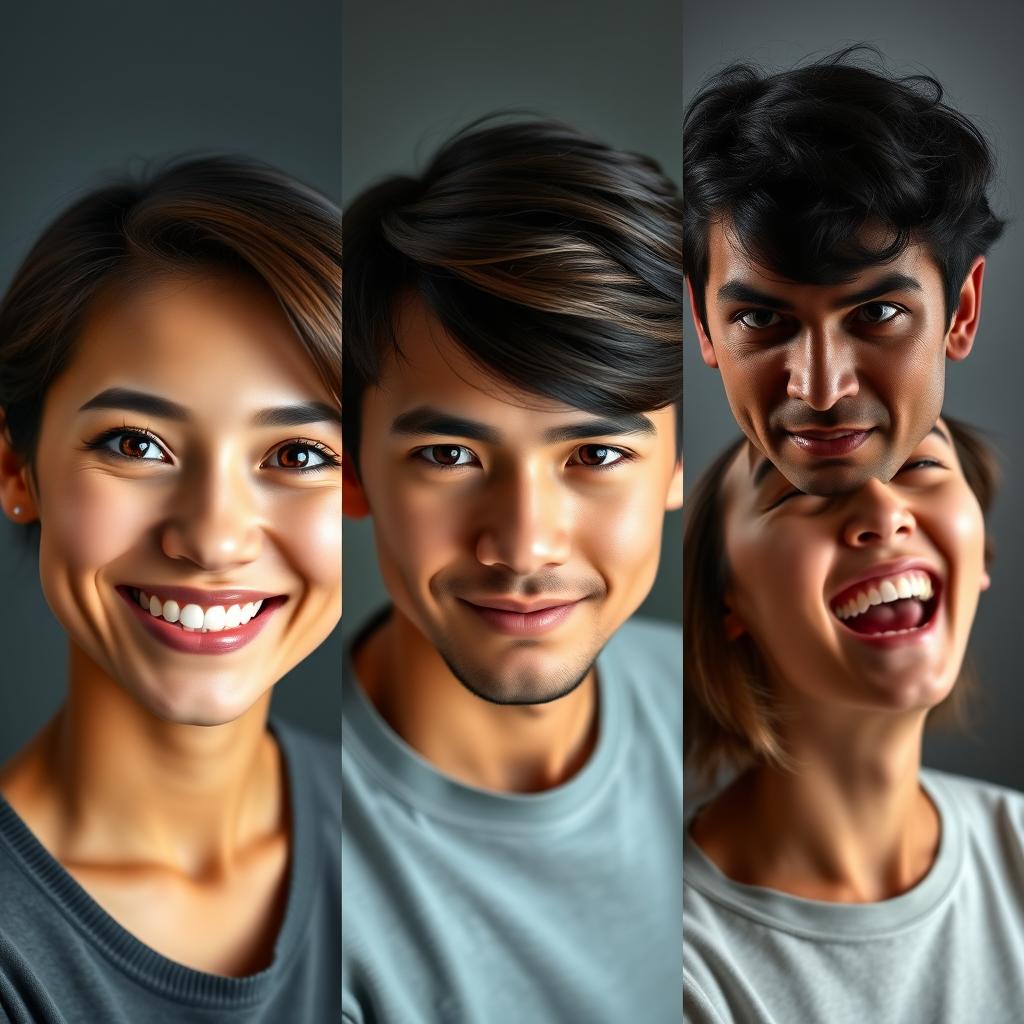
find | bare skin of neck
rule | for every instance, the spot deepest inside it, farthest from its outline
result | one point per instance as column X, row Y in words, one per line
column 852, row 825
column 179, row 832
column 505, row 748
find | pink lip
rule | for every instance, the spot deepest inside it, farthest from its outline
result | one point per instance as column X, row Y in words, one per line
column 223, row 642
column 514, row 622
column 833, row 444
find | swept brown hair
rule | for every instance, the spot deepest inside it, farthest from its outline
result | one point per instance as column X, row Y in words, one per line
column 729, row 718
column 192, row 215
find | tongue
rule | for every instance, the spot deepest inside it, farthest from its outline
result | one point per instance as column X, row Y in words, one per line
column 885, row 618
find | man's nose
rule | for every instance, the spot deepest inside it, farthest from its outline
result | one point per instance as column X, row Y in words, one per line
column 527, row 522
column 822, row 368
column 214, row 523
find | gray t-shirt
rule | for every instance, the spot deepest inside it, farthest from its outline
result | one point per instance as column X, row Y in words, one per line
column 64, row 960
column 464, row 905
column 949, row 951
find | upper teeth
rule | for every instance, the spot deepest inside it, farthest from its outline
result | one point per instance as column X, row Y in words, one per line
column 894, row 588
column 195, row 618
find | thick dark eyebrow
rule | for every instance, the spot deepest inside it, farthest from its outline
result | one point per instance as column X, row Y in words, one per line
column 137, row 401
column 427, row 420
column 618, row 423
column 297, row 415
column 737, row 291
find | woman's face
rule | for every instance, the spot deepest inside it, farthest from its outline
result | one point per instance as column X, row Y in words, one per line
column 864, row 600
column 188, row 457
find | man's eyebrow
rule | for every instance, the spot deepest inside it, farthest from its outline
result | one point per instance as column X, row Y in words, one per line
column 297, row 415
column 738, row 291
column 137, row 401
column 889, row 283
column 616, row 423
column 428, row 420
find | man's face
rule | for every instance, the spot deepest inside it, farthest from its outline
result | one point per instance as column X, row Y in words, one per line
column 833, row 383
column 515, row 533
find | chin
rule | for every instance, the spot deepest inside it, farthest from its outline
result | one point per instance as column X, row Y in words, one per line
column 521, row 685
column 195, row 702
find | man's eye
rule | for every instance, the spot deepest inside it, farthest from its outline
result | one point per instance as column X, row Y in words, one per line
column 597, row 456
column 136, row 445
column 304, row 456
column 447, row 456
column 759, row 319
column 877, row 313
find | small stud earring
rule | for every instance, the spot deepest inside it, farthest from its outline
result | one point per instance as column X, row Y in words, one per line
column 17, row 510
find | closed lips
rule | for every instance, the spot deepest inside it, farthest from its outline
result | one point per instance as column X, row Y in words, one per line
column 196, row 618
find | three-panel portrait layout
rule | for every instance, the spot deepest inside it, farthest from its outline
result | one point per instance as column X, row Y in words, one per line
column 622, row 370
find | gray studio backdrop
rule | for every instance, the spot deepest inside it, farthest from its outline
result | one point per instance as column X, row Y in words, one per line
column 414, row 73
column 975, row 53
column 87, row 89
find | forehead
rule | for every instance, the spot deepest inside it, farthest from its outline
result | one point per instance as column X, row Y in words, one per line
column 217, row 342
column 433, row 371
column 729, row 262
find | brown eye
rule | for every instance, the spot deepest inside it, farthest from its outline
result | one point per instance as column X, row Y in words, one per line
column 597, row 456
column 446, row 456
column 293, row 456
column 134, row 446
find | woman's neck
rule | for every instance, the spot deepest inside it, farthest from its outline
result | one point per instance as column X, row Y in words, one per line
column 850, row 825
column 107, row 781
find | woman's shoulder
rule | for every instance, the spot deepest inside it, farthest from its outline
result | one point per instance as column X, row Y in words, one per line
column 989, row 810
column 316, row 763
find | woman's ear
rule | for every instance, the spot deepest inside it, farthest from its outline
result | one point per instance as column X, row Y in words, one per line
column 16, row 495
column 353, row 497
column 734, row 625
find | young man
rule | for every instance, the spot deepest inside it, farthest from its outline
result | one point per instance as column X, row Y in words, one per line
column 512, row 765
column 836, row 225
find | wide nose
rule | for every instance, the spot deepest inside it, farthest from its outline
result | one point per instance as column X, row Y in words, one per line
column 526, row 526
column 214, row 522
column 822, row 368
column 877, row 514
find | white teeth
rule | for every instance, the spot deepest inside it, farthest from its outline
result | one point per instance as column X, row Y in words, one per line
column 192, row 616
column 213, row 620
column 913, row 584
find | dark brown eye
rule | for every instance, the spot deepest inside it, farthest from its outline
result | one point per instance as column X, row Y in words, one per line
column 135, row 446
column 446, row 455
column 293, row 456
column 598, row 456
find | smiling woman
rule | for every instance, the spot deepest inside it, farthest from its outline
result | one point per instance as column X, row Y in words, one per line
column 170, row 370
column 822, row 633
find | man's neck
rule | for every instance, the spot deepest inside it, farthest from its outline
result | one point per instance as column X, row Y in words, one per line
column 507, row 748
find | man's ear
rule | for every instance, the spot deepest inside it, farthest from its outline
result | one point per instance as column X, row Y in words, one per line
column 674, row 500
column 960, row 339
column 353, row 497
column 16, row 492
column 707, row 350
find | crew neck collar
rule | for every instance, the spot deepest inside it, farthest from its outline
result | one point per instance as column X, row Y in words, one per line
column 818, row 919
column 413, row 779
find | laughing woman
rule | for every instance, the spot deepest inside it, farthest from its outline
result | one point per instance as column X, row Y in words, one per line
column 833, row 879
column 170, row 358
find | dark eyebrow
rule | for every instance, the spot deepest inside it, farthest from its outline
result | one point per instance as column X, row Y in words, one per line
column 617, row 423
column 427, row 420
column 938, row 431
column 737, row 291
column 297, row 415
column 889, row 283
column 137, row 401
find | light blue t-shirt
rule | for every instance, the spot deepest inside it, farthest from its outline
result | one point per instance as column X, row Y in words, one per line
column 464, row 905
column 948, row 951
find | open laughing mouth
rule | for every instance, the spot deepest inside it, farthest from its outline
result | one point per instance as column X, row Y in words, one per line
column 899, row 604
column 200, row 629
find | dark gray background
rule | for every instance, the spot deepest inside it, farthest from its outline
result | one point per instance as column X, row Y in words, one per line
column 975, row 52
column 415, row 72
column 86, row 89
